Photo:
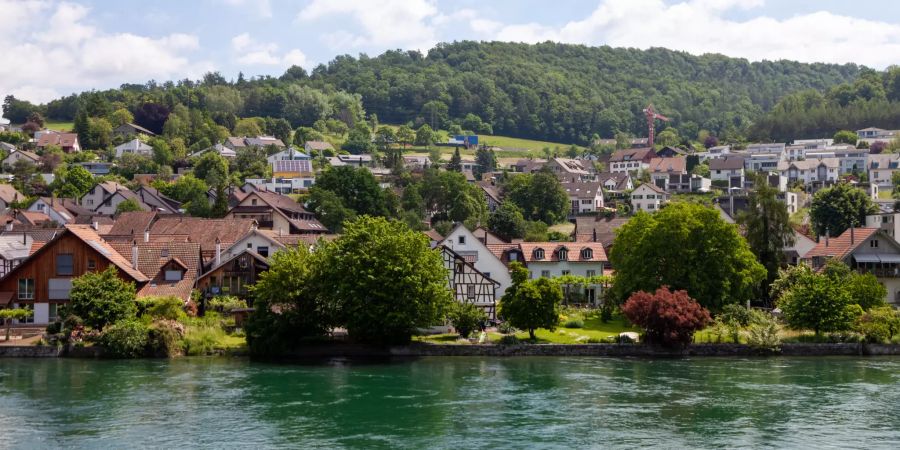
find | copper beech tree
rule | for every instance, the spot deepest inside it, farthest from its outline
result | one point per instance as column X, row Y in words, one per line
column 668, row 318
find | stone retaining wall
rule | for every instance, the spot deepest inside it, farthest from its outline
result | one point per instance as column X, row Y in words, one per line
column 30, row 351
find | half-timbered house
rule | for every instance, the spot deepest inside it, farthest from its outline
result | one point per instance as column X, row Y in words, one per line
column 468, row 284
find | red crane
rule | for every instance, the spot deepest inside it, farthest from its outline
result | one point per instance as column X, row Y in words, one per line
column 652, row 115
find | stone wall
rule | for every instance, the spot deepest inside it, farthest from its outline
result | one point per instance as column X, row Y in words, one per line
column 30, row 351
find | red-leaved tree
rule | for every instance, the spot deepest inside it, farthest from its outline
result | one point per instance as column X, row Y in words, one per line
column 668, row 318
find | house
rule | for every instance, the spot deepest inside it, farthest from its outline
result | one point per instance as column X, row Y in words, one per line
column 555, row 259
column 264, row 141
column 99, row 193
column 13, row 250
column 887, row 219
column 288, row 177
column 414, row 162
column 276, row 212
column 34, row 219
column 865, row 250
column 171, row 267
column 631, row 160
column 135, row 147
column 317, row 146
column 97, row 168
column 584, row 197
column 127, row 130
column 527, row 166
column 762, row 162
column 222, row 150
column 852, row 160
column 154, row 199
column 9, row 195
column 615, row 181
column 464, row 243
column 288, row 154
column 802, row 245
column 21, row 155
column 110, row 204
column 881, row 169
column 42, row 281
column 7, row 147
column 727, row 171
column 60, row 210
column 766, row 148
column 872, row 134
column 235, row 143
column 661, row 169
column 468, row 284
column 670, row 152
column 811, row 171
column 232, row 275
column 647, row 197
column 598, row 229
column 491, row 194
column 267, row 242
column 567, row 169
column 356, row 160
column 68, row 142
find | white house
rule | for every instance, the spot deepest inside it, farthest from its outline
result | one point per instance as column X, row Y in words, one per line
column 23, row 155
column 289, row 154
column 94, row 197
column 466, row 244
column 762, row 162
column 648, row 197
column 555, row 259
column 729, row 170
column 584, row 197
column 222, row 150
column 825, row 170
column 881, row 169
column 134, row 146
column 887, row 220
column 631, row 159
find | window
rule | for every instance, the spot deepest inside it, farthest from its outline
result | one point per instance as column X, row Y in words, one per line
column 585, row 202
column 587, row 253
column 164, row 253
column 538, row 253
column 565, row 272
column 487, row 274
column 90, row 202
column 92, row 264
column 173, row 275
column 470, row 292
column 563, row 254
column 591, row 273
column 513, row 256
column 462, row 240
column 545, row 273
column 873, row 243
column 263, row 251
column 64, row 264
column 460, row 267
column 253, row 202
column 249, row 245
column 53, row 312
column 26, row 289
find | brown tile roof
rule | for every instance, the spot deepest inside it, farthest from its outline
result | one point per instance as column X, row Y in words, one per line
column 60, row 139
column 621, row 179
column 36, row 233
column 237, row 142
column 433, row 235
column 90, row 237
column 203, row 231
column 9, row 194
column 605, row 229
column 551, row 251
column 726, row 163
column 585, row 190
column 32, row 156
column 631, row 154
column 33, row 218
column 153, row 257
column 668, row 165
column 500, row 250
column 318, row 145
column 486, row 237
column 840, row 247
column 133, row 223
column 490, row 189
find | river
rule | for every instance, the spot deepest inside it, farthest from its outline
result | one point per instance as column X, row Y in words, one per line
column 454, row 403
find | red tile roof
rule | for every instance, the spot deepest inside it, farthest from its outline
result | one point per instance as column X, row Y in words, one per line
column 840, row 247
column 153, row 257
column 551, row 251
column 60, row 139
column 90, row 237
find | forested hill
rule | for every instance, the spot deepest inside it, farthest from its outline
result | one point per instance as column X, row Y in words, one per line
column 554, row 92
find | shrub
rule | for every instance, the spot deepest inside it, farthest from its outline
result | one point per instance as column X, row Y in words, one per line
column 531, row 304
column 465, row 318
column 668, row 318
column 508, row 339
column 202, row 340
column 126, row 339
column 170, row 308
column 819, row 303
column 102, row 298
column 574, row 323
column 191, row 308
column 225, row 303
column 736, row 314
column 506, row 328
column 166, row 337
column 879, row 324
column 54, row 328
column 763, row 332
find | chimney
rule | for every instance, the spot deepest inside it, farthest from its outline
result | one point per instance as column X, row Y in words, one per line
column 134, row 254
column 594, row 237
column 9, row 225
column 218, row 259
column 146, row 235
column 852, row 236
column 826, row 237
column 95, row 225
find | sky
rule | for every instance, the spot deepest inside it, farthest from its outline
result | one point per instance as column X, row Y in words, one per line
column 51, row 48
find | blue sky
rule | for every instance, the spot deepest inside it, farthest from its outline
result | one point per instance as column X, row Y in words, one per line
column 53, row 48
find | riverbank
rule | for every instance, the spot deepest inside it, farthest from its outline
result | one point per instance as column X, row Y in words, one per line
column 446, row 350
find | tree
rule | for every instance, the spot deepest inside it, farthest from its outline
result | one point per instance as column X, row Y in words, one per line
column 435, row 113
column 119, row 117
column 877, row 147
column 485, row 162
column 836, row 208
column 768, row 230
column 250, row 126
column 8, row 315
column 102, row 298
column 405, row 135
column 668, row 318
column 425, row 136
column 129, row 205
column 816, row 302
column 710, row 141
column 866, row 291
column 72, row 182
column 288, row 305
column 507, row 221
column 845, row 137
column 356, row 188
column 465, row 317
column 686, row 246
column 879, row 325
column 329, row 209
column 455, row 164
column 530, row 304
column 399, row 283
column 447, row 195
column 539, row 195
column 384, row 138
column 359, row 140
column 212, row 168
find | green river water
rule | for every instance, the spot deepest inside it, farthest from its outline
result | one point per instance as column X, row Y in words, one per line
column 456, row 403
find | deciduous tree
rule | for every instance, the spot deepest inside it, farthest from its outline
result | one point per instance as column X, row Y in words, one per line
column 102, row 298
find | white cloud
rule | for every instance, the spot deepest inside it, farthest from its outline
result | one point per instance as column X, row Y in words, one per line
column 250, row 52
column 702, row 26
column 51, row 49
column 383, row 24
column 262, row 8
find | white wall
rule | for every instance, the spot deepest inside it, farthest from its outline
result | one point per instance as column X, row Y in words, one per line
column 486, row 263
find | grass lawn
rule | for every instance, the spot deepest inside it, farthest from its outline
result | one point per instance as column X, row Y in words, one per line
column 885, row 195
column 59, row 126
column 594, row 330
column 564, row 228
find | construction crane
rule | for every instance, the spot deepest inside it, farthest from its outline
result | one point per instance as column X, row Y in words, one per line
column 652, row 115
